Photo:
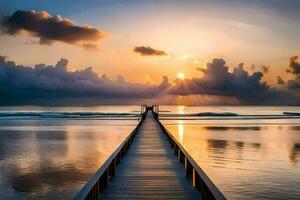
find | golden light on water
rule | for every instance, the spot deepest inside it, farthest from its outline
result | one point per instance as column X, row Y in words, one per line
column 180, row 109
column 180, row 130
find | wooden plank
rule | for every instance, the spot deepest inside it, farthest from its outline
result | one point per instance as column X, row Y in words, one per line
column 150, row 170
column 88, row 189
column 200, row 180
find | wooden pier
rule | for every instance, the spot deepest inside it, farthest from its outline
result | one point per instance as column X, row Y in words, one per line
column 150, row 164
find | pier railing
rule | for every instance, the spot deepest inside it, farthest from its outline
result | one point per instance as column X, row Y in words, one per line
column 155, row 111
column 143, row 111
column 92, row 189
column 200, row 180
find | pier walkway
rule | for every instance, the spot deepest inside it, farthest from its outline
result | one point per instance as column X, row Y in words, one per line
column 150, row 164
column 150, row 170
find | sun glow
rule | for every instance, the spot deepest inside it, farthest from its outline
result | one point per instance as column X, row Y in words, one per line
column 180, row 75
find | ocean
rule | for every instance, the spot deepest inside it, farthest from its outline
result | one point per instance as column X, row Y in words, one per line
column 248, row 152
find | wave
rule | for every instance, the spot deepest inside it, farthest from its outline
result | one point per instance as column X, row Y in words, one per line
column 135, row 115
column 202, row 114
column 68, row 115
column 291, row 113
column 226, row 116
column 231, row 118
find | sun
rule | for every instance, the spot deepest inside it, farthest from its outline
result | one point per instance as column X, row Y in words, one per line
column 180, row 75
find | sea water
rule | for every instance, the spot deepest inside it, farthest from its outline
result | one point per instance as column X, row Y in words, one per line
column 51, row 152
column 254, row 154
column 248, row 152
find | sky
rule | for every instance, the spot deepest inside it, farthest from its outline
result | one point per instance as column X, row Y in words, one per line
column 181, row 52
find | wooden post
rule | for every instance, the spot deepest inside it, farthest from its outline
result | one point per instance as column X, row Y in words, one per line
column 196, row 180
column 123, row 151
column 112, row 169
column 176, row 149
column 182, row 156
column 103, row 180
column 188, row 167
column 97, row 191
column 118, row 158
column 126, row 147
column 172, row 144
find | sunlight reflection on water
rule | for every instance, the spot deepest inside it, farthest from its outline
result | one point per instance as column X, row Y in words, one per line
column 247, row 159
column 52, row 159
column 258, row 161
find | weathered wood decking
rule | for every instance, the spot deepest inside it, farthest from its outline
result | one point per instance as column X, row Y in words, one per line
column 154, row 165
column 150, row 170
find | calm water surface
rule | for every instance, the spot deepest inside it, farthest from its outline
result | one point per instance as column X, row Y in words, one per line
column 53, row 158
column 246, row 158
column 50, row 152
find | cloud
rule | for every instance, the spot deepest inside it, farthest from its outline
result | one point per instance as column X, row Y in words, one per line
column 233, row 87
column 294, row 84
column 55, row 84
column 265, row 69
column 217, row 80
column 148, row 51
column 280, row 81
column 239, row 24
column 51, row 28
column 91, row 47
column 294, row 68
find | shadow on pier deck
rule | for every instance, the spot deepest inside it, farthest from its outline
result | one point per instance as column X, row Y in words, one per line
column 149, row 169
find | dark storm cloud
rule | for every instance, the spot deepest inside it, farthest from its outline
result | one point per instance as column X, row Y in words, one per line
column 217, row 80
column 51, row 84
column 50, row 28
column 148, row 51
